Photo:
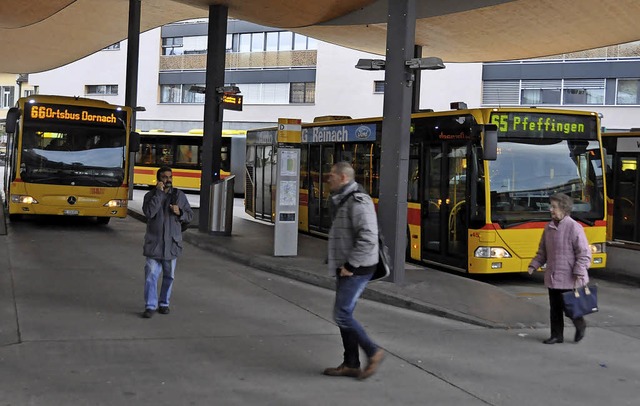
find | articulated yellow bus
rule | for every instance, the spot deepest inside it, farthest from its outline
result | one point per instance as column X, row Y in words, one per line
column 68, row 156
column 182, row 152
column 465, row 212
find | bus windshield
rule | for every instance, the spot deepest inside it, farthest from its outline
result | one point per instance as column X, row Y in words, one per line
column 527, row 172
column 73, row 155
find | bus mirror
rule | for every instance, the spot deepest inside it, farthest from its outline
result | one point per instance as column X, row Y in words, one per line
column 134, row 142
column 12, row 120
column 490, row 142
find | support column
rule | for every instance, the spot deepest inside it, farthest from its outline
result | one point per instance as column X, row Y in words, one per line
column 212, row 132
column 131, row 85
column 394, row 164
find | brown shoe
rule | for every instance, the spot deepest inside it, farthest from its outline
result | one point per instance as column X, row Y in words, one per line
column 374, row 363
column 342, row 370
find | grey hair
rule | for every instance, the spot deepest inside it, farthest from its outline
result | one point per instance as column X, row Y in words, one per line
column 345, row 168
column 564, row 202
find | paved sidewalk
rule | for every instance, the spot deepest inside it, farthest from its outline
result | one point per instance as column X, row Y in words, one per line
column 424, row 290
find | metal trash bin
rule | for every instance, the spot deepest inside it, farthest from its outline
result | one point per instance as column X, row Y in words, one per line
column 221, row 206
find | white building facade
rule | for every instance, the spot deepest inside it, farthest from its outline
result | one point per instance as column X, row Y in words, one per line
column 282, row 74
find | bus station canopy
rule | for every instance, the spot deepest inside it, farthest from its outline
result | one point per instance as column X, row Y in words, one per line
column 38, row 35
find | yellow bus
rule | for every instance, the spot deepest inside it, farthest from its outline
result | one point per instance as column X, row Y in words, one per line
column 465, row 212
column 622, row 152
column 67, row 156
column 182, row 152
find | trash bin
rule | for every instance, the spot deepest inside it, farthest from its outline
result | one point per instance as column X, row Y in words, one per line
column 221, row 206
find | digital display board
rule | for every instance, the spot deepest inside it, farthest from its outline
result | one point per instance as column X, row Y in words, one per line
column 545, row 125
column 232, row 102
column 74, row 114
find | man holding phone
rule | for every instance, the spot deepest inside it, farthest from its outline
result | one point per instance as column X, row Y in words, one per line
column 165, row 208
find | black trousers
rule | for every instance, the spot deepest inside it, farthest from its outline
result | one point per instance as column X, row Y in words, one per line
column 556, row 313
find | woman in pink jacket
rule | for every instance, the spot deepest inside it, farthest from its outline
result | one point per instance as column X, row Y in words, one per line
column 565, row 250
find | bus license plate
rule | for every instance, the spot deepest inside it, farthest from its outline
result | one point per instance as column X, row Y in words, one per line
column 71, row 212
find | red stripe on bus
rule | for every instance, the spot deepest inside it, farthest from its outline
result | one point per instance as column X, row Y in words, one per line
column 413, row 216
column 304, row 199
column 144, row 171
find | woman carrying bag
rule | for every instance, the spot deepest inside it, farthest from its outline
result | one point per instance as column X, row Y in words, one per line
column 565, row 250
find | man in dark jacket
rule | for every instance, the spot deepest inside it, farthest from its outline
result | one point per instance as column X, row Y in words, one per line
column 353, row 256
column 165, row 208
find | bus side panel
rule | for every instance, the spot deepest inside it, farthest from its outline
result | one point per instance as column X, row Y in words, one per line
column 413, row 222
column 303, row 211
column 182, row 178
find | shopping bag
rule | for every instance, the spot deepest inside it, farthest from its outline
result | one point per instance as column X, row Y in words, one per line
column 580, row 301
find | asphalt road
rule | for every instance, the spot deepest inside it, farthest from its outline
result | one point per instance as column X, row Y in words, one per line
column 71, row 295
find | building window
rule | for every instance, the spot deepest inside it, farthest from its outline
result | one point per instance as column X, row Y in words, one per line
column 244, row 44
column 7, row 97
column 537, row 92
column 378, row 86
column 589, row 91
column 172, row 46
column 628, row 91
column 501, row 92
column 272, row 41
column 112, row 47
column 28, row 93
column 265, row 93
column 302, row 93
column 194, row 45
column 101, row 89
column 189, row 96
column 170, row 93
column 257, row 42
column 285, row 42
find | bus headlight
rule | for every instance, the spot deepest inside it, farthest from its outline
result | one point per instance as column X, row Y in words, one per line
column 116, row 203
column 491, row 252
column 24, row 199
column 597, row 248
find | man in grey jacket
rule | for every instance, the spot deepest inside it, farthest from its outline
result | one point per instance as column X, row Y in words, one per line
column 165, row 208
column 353, row 256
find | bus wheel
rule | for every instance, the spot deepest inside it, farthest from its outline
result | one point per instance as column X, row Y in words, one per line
column 15, row 217
column 103, row 220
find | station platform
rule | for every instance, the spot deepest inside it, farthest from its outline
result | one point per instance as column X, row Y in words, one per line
column 425, row 290
column 436, row 292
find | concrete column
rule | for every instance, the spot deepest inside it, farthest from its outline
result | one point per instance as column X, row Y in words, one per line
column 394, row 164
column 212, row 133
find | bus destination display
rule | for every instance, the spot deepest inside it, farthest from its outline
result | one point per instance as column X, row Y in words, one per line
column 543, row 125
column 74, row 114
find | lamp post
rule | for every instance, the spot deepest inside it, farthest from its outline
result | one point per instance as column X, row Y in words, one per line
column 399, row 79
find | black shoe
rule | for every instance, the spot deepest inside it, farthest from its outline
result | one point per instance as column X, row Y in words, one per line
column 164, row 310
column 553, row 340
column 147, row 313
column 580, row 334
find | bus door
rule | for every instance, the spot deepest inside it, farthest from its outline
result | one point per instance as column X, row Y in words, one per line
column 626, row 197
column 321, row 159
column 444, row 217
column 264, row 180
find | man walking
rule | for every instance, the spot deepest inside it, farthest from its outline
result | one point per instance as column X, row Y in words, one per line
column 353, row 256
column 165, row 208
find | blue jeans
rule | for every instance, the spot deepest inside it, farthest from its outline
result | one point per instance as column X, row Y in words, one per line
column 152, row 269
column 348, row 290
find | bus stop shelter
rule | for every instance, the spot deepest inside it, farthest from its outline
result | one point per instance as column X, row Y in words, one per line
column 45, row 34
